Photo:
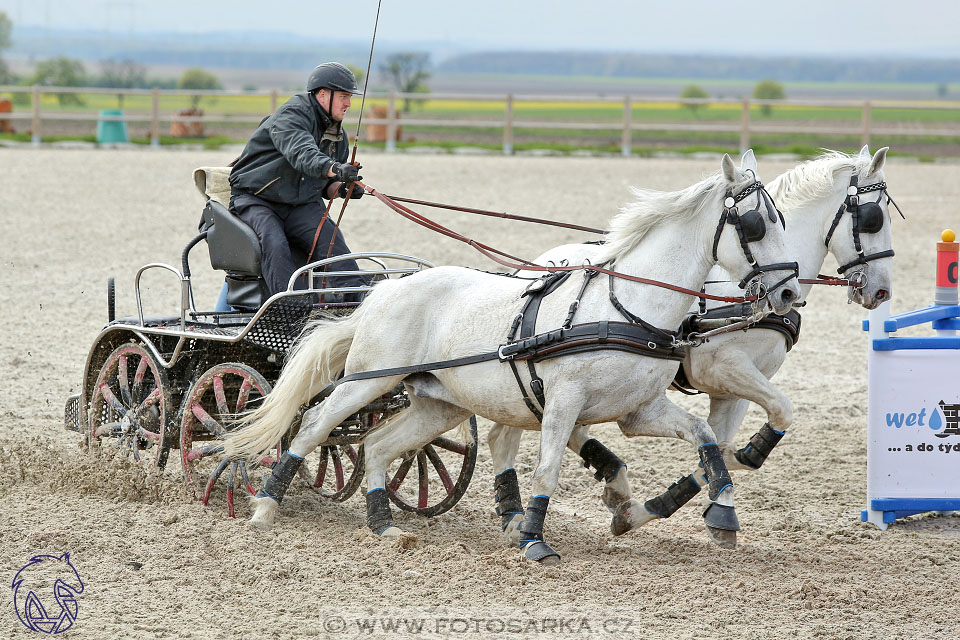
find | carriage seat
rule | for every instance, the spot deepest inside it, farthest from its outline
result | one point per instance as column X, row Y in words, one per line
column 234, row 248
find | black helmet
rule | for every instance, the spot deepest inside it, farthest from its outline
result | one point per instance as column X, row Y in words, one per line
column 333, row 75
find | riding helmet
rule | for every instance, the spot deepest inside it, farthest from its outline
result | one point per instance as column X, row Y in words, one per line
column 333, row 75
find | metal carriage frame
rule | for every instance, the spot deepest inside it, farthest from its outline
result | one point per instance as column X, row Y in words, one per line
column 194, row 372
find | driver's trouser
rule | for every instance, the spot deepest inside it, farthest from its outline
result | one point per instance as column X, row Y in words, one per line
column 286, row 234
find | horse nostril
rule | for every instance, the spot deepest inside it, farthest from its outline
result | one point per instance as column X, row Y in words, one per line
column 787, row 296
column 881, row 295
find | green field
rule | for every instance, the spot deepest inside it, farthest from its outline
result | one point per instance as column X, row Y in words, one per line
column 458, row 113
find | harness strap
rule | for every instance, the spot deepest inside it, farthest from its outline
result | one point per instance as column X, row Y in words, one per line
column 635, row 319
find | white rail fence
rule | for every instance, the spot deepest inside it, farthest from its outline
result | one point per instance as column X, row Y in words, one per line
column 508, row 122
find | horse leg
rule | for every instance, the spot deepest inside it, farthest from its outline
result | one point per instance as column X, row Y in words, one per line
column 504, row 441
column 557, row 426
column 316, row 425
column 424, row 420
column 726, row 415
column 608, row 467
column 664, row 419
column 732, row 372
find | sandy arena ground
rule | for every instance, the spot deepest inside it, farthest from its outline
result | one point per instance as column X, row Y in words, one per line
column 805, row 567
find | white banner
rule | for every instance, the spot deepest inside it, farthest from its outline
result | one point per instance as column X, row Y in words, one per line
column 913, row 434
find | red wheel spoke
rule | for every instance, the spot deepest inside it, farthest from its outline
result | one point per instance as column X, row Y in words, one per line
column 123, row 381
column 156, row 438
column 337, row 467
column 450, row 445
column 233, row 477
column 439, row 466
column 150, row 401
column 246, row 479
column 401, row 474
column 208, row 421
column 244, row 394
column 322, row 467
column 139, row 375
column 213, row 479
column 111, row 399
column 352, row 454
column 221, row 396
column 422, row 489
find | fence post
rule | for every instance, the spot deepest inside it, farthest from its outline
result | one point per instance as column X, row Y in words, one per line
column 865, row 122
column 391, row 123
column 35, row 134
column 155, row 119
column 626, row 139
column 745, row 126
column 273, row 101
column 508, row 126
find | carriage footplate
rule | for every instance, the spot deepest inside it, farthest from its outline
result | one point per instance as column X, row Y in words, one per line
column 507, row 497
column 531, row 532
column 761, row 444
column 71, row 414
column 605, row 462
column 280, row 477
column 676, row 495
column 379, row 518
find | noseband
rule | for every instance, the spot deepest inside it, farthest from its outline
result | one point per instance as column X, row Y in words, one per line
column 751, row 227
column 866, row 218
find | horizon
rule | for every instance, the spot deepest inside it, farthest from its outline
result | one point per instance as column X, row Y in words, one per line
column 698, row 27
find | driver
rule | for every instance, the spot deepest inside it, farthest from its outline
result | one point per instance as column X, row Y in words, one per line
column 295, row 158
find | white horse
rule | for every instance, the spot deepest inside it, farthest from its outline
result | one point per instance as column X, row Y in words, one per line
column 735, row 368
column 452, row 312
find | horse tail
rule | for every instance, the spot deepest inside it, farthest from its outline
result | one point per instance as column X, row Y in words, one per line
column 314, row 362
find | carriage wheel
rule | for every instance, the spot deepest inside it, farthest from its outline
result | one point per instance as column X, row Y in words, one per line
column 129, row 406
column 334, row 471
column 434, row 492
column 212, row 404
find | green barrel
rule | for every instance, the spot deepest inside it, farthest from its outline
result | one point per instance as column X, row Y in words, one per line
column 111, row 131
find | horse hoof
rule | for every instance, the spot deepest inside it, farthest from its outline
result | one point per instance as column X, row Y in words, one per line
column 723, row 538
column 613, row 499
column 628, row 516
column 541, row 552
column 511, row 530
column 265, row 510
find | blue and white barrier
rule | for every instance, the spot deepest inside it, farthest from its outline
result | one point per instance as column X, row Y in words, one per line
column 913, row 416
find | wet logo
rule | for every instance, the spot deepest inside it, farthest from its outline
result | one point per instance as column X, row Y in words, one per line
column 45, row 594
column 942, row 416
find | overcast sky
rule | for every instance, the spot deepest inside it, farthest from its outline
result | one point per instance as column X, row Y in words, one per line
column 829, row 27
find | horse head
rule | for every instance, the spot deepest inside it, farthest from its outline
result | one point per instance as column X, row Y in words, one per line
column 749, row 242
column 863, row 240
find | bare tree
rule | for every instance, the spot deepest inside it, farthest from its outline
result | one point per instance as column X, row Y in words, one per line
column 408, row 73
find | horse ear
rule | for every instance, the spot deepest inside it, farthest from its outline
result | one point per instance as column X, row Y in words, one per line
column 748, row 161
column 729, row 169
column 865, row 151
column 879, row 159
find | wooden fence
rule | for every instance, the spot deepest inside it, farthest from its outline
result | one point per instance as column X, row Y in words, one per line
column 508, row 122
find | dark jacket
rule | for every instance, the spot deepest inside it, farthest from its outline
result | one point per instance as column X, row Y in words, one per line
column 288, row 156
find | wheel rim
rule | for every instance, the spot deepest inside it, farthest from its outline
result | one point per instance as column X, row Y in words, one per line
column 129, row 406
column 209, row 412
column 430, row 480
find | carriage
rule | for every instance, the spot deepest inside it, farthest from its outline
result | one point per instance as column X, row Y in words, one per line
column 157, row 385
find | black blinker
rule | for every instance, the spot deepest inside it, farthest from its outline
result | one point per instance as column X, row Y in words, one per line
column 752, row 226
column 870, row 218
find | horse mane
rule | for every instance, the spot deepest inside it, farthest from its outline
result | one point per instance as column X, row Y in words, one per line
column 814, row 178
column 651, row 208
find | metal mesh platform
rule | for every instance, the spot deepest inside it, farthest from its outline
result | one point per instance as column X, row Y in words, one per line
column 280, row 324
column 71, row 414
